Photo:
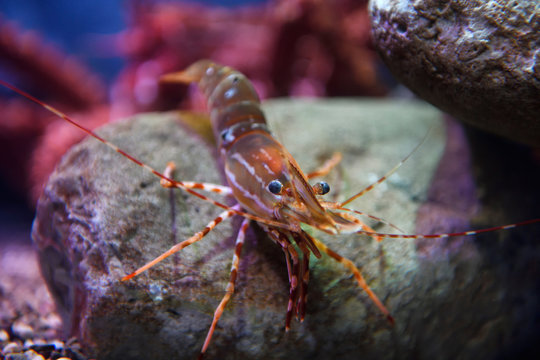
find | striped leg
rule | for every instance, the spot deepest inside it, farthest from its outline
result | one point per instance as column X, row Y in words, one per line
column 331, row 205
column 288, row 261
column 304, row 276
column 196, row 237
column 293, row 286
column 292, row 271
column 368, row 229
column 169, row 172
column 357, row 275
column 327, row 166
column 219, row 189
column 365, row 228
column 230, row 287
column 298, row 271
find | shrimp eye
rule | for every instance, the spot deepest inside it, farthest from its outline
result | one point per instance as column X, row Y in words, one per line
column 275, row 187
column 321, row 188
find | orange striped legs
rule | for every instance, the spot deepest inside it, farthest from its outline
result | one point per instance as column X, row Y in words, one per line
column 368, row 229
column 293, row 271
column 196, row 237
column 298, row 280
column 334, row 206
column 328, row 165
column 304, row 278
column 169, row 170
column 293, row 285
column 230, row 287
column 169, row 173
column 357, row 275
column 298, row 272
column 365, row 228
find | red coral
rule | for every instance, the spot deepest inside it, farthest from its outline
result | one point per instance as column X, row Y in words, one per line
column 46, row 72
column 293, row 47
column 286, row 47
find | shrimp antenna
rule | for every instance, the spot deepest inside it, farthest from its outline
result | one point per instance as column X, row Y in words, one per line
column 336, row 206
column 173, row 183
column 393, row 170
column 447, row 235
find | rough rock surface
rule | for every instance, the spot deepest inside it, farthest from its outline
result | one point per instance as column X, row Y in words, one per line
column 100, row 217
column 477, row 60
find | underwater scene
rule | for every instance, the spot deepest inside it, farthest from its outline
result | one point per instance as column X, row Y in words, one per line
column 269, row 179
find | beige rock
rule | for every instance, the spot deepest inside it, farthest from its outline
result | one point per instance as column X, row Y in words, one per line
column 101, row 217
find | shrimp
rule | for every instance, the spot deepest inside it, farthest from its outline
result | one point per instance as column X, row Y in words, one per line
column 270, row 189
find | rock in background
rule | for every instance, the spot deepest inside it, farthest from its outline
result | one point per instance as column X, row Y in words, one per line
column 101, row 217
column 477, row 60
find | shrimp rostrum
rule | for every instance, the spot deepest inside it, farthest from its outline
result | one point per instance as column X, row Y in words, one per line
column 269, row 188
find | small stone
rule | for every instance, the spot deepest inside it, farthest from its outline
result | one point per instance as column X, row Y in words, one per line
column 12, row 347
column 51, row 321
column 4, row 336
column 22, row 329
column 32, row 355
column 40, row 342
column 58, row 345
column 28, row 342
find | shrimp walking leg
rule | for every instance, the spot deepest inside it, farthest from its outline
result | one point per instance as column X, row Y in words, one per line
column 230, row 286
column 357, row 275
column 196, row 237
column 293, row 286
column 328, row 166
column 304, row 280
column 169, row 170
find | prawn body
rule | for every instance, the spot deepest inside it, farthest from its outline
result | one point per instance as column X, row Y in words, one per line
column 264, row 178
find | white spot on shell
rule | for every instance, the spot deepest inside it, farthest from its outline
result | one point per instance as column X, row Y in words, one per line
column 229, row 94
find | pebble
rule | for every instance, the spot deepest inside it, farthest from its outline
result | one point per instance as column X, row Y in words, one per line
column 59, row 345
column 28, row 342
column 32, row 355
column 11, row 347
column 51, row 321
column 34, row 342
column 37, row 348
column 22, row 330
column 4, row 336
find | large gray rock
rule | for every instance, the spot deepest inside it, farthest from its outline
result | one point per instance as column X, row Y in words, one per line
column 478, row 60
column 101, row 217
